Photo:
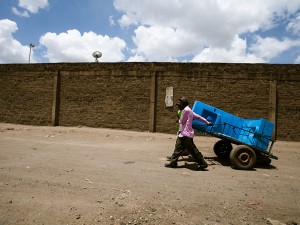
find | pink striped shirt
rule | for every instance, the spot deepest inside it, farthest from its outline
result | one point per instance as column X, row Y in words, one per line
column 186, row 120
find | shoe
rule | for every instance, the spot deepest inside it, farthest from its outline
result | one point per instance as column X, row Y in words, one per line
column 169, row 158
column 202, row 167
column 171, row 165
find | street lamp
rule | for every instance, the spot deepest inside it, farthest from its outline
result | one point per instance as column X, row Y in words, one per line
column 30, row 47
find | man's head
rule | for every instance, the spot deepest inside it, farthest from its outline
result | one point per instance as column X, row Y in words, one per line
column 183, row 102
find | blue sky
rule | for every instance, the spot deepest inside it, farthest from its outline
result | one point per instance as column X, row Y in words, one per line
column 233, row 31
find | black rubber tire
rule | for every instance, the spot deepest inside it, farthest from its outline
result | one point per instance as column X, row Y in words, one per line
column 243, row 157
column 222, row 149
column 263, row 159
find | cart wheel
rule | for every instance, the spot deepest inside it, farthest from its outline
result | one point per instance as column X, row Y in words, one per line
column 222, row 148
column 263, row 159
column 243, row 157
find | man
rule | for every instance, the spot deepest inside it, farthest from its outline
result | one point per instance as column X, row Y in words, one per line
column 186, row 135
column 179, row 112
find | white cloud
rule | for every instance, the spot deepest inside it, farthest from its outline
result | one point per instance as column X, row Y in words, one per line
column 236, row 53
column 33, row 6
column 111, row 21
column 206, row 17
column 164, row 43
column 297, row 61
column 261, row 51
column 127, row 20
column 74, row 47
column 177, row 28
column 19, row 13
column 136, row 58
column 294, row 25
column 12, row 51
column 268, row 48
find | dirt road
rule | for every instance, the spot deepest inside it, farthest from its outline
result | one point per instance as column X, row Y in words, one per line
column 65, row 175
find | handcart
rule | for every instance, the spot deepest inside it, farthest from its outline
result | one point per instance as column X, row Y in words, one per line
column 252, row 137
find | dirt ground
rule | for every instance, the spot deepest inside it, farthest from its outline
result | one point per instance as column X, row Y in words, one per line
column 67, row 175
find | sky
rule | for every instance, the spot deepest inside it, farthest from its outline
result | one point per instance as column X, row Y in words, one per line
column 226, row 31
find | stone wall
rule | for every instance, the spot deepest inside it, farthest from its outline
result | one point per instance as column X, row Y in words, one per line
column 132, row 95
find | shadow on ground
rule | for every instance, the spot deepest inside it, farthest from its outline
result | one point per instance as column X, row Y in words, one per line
column 190, row 163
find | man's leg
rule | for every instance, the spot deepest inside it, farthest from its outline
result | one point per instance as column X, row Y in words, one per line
column 188, row 143
column 176, row 154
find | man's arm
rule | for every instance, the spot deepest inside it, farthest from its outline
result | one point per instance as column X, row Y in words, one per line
column 200, row 118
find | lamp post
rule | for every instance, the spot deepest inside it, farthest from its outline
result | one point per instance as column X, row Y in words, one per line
column 30, row 47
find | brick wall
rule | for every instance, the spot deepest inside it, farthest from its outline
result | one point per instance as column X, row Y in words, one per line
column 132, row 95
column 288, row 110
column 26, row 95
column 115, row 99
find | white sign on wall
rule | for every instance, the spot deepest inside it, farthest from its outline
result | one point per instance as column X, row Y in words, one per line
column 169, row 97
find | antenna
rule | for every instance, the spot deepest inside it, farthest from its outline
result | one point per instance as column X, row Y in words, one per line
column 97, row 55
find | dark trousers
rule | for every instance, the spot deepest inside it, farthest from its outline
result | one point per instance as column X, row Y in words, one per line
column 183, row 143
